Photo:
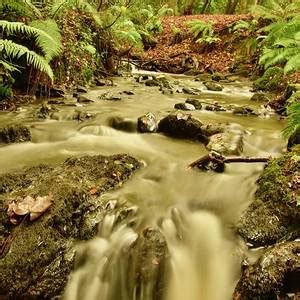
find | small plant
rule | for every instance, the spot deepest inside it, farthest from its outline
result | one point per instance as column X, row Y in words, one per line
column 203, row 32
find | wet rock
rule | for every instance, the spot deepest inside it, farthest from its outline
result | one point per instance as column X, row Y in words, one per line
column 84, row 99
column 213, row 128
column 226, row 143
column 294, row 139
column 212, row 86
column 123, row 124
column 203, row 77
column 276, row 272
column 46, row 111
column 103, row 82
column 182, row 126
column 244, row 111
column 37, row 261
column 274, row 212
column 109, row 97
column 56, row 102
column 190, row 91
column 147, row 123
column 196, row 103
column 56, row 92
column 14, row 134
column 214, row 107
column 129, row 93
column 81, row 89
column 152, row 82
column 81, row 116
column 260, row 97
column 192, row 72
column 184, row 106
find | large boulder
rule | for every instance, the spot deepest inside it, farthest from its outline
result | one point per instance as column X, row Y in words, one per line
column 36, row 257
column 123, row 124
column 212, row 86
column 274, row 214
column 182, row 126
column 14, row 133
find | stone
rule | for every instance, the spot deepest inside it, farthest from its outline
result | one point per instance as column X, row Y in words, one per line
column 84, row 99
column 147, row 123
column 214, row 107
column 14, row 133
column 245, row 111
column 110, row 97
column 196, row 103
column 260, row 97
column 81, row 116
column 218, row 76
column 103, row 82
column 213, row 128
column 56, row 102
column 190, row 91
column 81, row 89
column 212, row 86
column 185, row 106
column 152, row 82
column 182, row 126
column 129, row 93
column 123, row 124
column 46, row 111
column 226, row 143
column 56, row 92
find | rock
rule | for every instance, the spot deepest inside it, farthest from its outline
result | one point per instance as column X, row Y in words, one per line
column 81, row 89
column 212, row 86
column 14, row 134
column 84, row 99
column 81, row 116
column 192, row 72
column 260, row 97
column 276, row 272
column 196, row 103
column 147, row 123
column 56, row 102
column 245, row 111
column 184, row 106
column 203, row 77
column 37, row 262
column 213, row 128
column 182, row 126
column 190, row 91
column 109, row 97
column 103, row 82
column 226, row 143
column 129, row 93
column 218, row 76
column 294, row 139
column 214, row 107
column 46, row 111
column 152, row 82
column 274, row 212
column 123, row 124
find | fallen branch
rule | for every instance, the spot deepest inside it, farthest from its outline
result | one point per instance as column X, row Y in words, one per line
column 216, row 162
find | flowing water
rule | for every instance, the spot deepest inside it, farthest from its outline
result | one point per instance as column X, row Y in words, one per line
column 194, row 211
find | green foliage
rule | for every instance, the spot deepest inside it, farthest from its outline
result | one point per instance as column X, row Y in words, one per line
column 203, row 32
column 21, row 7
column 283, row 46
column 45, row 33
column 293, row 120
column 16, row 51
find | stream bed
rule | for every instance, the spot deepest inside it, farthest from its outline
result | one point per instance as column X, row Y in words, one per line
column 194, row 211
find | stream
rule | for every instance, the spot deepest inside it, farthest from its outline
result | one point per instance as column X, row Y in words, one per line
column 194, row 211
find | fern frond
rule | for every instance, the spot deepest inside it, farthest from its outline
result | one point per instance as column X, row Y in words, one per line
column 293, row 120
column 48, row 42
column 23, row 7
column 16, row 51
column 8, row 66
column 293, row 64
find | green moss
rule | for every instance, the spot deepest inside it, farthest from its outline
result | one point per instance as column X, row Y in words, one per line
column 271, row 80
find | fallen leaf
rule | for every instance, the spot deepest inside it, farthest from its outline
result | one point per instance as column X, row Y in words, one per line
column 40, row 205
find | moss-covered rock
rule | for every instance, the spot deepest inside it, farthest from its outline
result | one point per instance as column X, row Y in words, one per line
column 274, row 273
column 274, row 212
column 36, row 257
column 14, row 134
column 271, row 80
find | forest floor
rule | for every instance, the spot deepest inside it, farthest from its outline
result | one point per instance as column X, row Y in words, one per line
column 176, row 43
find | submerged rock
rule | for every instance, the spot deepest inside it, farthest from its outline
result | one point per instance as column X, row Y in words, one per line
column 84, row 99
column 260, row 97
column 46, row 111
column 213, row 128
column 81, row 116
column 81, row 89
column 109, row 96
column 245, row 111
column 14, row 134
column 184, row 106
column 190, row 91
column 152, row 82
column 147, row 123
column 37, row 257
column 276, row 272
column 182, row 126
column 212, row 86
column 124, row 124
column 274, row 213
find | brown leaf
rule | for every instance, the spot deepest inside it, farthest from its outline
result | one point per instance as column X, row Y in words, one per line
column 40, row 205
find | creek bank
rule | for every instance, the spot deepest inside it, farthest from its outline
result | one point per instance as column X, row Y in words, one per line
column 37, row 257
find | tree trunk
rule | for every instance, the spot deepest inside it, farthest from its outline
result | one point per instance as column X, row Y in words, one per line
column 205, row 6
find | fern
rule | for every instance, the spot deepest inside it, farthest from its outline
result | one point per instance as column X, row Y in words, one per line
column 22, row 7
column 203, row 32
column 293, row 120
column 15, row 51
column 45, row 33
column 5, row 91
